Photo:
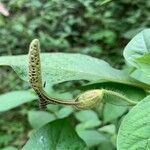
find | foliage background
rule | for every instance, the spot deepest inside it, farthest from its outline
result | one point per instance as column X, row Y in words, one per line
column 81, row 26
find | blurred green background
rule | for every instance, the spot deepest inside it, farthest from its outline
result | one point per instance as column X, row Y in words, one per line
column 90, row 27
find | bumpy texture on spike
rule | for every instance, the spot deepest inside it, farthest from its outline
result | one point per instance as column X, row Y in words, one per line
column 35, row 77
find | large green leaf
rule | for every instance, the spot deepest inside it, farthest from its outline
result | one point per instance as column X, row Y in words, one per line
column 134, row 132
column 13, row 99
column 139, row 45
column 60, row 67
column 57, row 135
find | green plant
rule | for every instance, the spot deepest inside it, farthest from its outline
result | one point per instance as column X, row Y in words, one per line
column 115, row 93
column 98, row 30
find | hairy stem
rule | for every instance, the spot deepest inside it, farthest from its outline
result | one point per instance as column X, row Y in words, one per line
column 109, row 92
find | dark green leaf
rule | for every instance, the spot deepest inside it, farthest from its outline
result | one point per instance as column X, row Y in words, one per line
column 56, row 135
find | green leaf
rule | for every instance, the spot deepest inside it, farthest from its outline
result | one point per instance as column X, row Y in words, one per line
column 134, row 132
column 56, row 135
column 45, row 117
column 86, row 115
column 13, row 99
column 112, row 112
column 65, row 112
column 60, row 67
column 106, row 145
column 91, row 137
column 53, row 108
column 140, row 76
column 144, row 59
column 88, row 118
column 9, row 148
column 88, row 124
column 139, row 45
column 110, row 129
column 141, row 58
column 144, row 63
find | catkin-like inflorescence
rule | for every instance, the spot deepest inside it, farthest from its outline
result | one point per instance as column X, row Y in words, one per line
column 89, row 99
column 34, row 65
column 35, row 77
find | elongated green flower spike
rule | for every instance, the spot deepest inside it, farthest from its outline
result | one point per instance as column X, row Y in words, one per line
column 35, row 77
column 35, row 65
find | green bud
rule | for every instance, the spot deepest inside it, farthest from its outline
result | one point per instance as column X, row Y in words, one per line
column 89, row 99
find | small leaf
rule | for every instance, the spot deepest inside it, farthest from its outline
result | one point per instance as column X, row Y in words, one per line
column 134, row 132
column 144, row 63
column 110, row 129
column 88, row 124
column 53, row 108
column 16, row 98
column 45, row 117
column 56, row 135
column 65, row 111
column 112, row 112
column 91, row 137
column 86, row 115
column 144, row 59
column 88, row 118
column 106, row 145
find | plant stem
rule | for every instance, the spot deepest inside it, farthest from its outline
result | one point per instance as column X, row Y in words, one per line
column 109, row 92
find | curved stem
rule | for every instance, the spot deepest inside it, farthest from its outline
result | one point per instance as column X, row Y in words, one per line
column 35, row 77
column 43, row 96
column 120, row 96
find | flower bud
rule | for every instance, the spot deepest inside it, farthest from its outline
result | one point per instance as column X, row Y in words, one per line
column 89, row 99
